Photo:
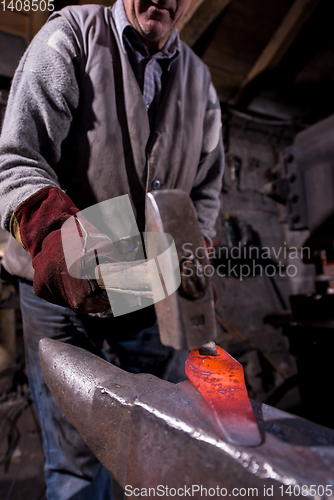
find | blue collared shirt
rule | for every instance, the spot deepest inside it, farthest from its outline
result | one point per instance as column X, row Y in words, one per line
column 151, row 71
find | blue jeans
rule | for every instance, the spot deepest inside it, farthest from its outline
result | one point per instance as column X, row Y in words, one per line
column 71, row 469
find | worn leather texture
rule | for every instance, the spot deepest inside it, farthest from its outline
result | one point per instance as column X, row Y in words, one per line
column 43, row 231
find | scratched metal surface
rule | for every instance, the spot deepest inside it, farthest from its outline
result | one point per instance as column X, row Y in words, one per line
column 149, row 432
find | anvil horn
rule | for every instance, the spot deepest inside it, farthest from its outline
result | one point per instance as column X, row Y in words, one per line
column 148, row 432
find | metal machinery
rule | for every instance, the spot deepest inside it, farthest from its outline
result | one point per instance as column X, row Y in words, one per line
column 307, row 191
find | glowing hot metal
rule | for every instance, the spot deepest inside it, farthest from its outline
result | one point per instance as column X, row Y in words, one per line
column 220, row 380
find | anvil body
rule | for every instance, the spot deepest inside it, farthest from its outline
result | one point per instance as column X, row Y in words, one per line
column 148, row 432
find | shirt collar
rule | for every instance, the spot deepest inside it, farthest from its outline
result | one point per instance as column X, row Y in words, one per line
column 168, row 51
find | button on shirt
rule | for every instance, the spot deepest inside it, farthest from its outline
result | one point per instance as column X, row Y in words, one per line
column 156, row 184
column 151, row 71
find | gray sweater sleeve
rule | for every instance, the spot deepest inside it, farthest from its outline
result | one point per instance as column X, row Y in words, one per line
column 208, row 182
column 43, row 97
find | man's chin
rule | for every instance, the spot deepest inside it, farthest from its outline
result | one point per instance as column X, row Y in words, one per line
column 154, row 31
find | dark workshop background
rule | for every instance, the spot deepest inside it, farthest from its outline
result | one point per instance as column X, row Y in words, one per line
column 272, row 63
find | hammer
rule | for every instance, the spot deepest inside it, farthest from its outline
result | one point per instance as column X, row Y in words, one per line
column 181, row 291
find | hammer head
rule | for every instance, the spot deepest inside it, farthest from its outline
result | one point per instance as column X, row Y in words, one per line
column 186, row 317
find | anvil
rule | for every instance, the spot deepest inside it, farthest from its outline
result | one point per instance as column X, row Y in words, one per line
column 148, row 432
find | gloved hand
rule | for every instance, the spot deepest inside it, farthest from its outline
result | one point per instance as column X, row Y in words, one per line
column 38, row 225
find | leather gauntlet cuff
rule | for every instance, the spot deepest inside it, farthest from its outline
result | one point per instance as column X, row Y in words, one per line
column 38, row 224
column 40, row 214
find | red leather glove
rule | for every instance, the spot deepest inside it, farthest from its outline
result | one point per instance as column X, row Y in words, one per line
column 36, row 224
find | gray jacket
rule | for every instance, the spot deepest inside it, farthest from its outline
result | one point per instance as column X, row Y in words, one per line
column 76, row 119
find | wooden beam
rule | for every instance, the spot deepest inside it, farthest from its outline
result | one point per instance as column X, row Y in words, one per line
column 16, row 23
column 279, row 44
column 196, row 24
column 194, row 5
column 37, row 19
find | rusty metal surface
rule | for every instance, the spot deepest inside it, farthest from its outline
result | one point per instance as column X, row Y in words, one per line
column 185, row 319
column 149, row 432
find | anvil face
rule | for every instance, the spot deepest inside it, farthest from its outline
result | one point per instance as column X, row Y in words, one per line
column 148, row 432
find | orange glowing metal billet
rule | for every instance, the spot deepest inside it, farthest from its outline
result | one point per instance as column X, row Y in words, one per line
column 220, row 380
